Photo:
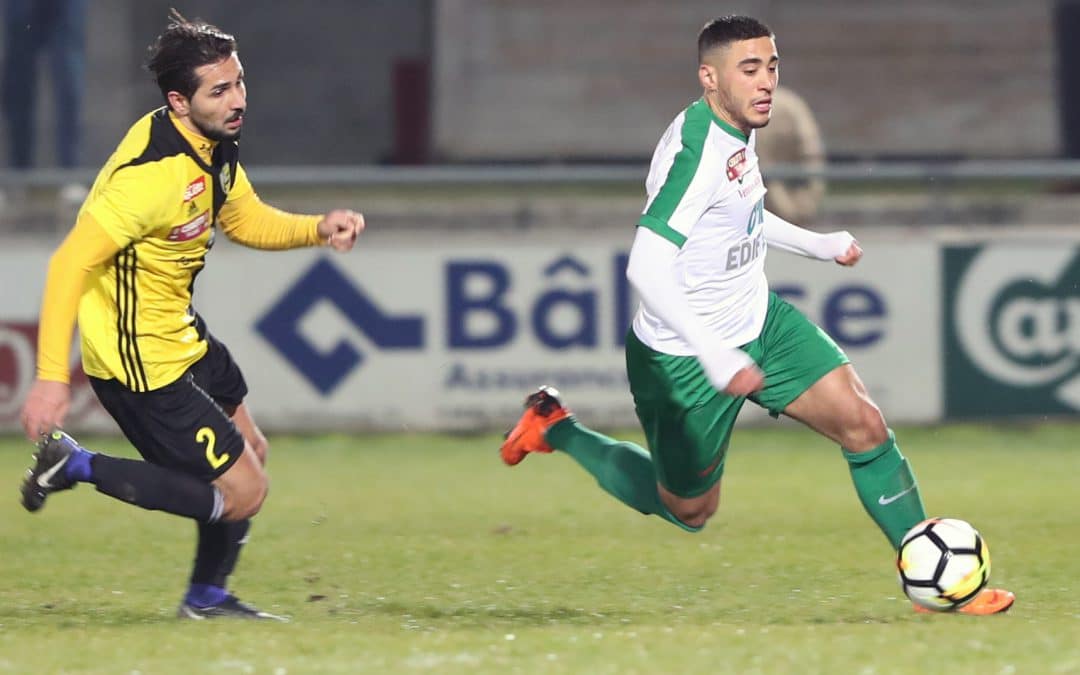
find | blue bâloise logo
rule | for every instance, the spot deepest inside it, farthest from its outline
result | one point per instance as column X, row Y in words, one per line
column 280, row 326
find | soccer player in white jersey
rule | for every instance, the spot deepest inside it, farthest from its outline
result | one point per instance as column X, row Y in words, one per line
column 709, row 334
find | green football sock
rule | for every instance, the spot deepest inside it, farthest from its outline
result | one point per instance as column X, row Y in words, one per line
column 887, row 488
column 623, row 469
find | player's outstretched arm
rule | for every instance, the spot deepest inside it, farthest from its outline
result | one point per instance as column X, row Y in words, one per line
column 247, row 220
column 838, row 246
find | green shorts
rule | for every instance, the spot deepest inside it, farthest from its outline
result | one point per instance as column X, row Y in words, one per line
column 688, row 423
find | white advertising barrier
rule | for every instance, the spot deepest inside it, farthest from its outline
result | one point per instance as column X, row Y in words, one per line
column 886, row 315
column 450, row 332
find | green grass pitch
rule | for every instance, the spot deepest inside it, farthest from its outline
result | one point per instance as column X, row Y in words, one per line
column 424, row 554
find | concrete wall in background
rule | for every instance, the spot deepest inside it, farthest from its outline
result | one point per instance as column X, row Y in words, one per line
column 319, row 74
column 604, row 78
column 517, row 79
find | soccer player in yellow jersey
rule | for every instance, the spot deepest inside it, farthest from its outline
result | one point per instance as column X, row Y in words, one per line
column 127, row 270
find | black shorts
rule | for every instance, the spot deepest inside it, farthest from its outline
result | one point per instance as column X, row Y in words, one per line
column 184, row 425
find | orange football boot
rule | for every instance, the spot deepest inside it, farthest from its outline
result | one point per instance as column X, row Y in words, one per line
column 989, row 601
column 542, row 409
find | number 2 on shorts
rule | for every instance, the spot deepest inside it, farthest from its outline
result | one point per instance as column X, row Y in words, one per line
column 206, row 435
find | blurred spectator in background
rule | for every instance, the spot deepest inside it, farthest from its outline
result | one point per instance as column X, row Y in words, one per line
column 31, row 26
column 793, row 138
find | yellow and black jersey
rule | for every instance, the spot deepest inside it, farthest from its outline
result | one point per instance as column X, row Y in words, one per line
column 141, row 238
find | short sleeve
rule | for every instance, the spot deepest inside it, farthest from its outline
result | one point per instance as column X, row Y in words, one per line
column 680, row 195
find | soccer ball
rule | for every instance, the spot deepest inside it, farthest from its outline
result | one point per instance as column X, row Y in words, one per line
column 943, row 564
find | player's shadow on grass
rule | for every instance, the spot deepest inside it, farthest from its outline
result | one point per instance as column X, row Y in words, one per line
column 531, row 615
column 460, row 616
column 69, row 616
column 480, row 615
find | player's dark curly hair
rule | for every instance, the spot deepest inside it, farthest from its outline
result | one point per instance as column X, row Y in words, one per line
column 183, row 47
column 727, row 29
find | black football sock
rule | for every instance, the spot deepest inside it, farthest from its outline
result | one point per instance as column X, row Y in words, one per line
column 216, row 554
column 217, row 551
column 156, row 488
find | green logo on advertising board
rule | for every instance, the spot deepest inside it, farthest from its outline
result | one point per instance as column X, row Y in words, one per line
column 1012, row 330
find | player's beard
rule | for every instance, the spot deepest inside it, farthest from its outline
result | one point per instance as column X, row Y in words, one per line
column 754, row 124
column 757, row 122
column 738, row 113
column 218, row 134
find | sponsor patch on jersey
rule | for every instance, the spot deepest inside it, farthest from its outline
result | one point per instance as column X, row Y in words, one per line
column 195, row 188
column 736, row 165
column 191, row 229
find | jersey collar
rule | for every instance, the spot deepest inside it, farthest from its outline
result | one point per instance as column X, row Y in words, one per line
column 203, row 147
column 724, row 126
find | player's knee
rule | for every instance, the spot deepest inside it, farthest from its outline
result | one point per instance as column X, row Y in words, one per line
column 695, row 519
column 244, row 500
column 867, row 429
column 693, row 512
column 693, row 515
column 244, row 507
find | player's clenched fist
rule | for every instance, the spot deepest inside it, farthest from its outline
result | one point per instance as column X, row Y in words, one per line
column 851, row 255
column 745, row 382
column 340, row 227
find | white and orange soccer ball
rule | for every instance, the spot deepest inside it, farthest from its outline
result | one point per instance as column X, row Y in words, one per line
column 943, row 564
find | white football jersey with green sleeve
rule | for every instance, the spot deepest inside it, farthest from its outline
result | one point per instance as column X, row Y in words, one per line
column 707, row 197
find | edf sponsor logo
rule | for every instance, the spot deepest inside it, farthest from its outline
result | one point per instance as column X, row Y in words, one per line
column 1012, row 330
